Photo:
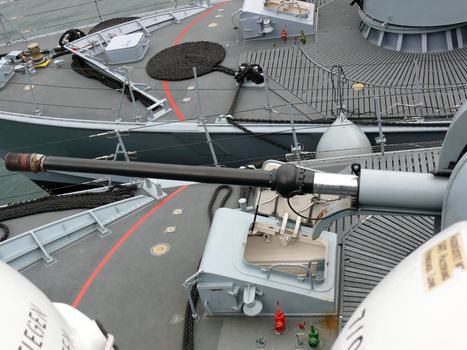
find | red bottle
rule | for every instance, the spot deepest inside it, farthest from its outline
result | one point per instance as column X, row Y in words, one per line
column 279, row 320
column 284, row 34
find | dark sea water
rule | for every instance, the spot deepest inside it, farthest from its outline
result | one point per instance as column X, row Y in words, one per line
column 36, row 17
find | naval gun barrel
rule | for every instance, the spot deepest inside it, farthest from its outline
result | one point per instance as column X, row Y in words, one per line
column 374, row 190
column 287, row 180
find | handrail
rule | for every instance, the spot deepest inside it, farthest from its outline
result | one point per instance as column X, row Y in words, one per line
column 308, row 272
column 290, row 3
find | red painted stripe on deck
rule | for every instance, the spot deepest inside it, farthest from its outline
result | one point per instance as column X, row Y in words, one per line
column 122, row 240
column 196, row 19
column 172, row 102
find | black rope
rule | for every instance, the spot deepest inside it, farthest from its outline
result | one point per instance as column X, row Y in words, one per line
column 74, row 201
column 104, row 332
column 214, row 198
column 6, row 232
column 81, row 67
column 110, row 23
column 188, row 327
column 69, row 36
column 176, row 63
column 245, row 192
column 223, row 69
column 248, row 71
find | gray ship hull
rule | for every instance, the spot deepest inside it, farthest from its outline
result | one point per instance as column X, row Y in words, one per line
column 183, row 143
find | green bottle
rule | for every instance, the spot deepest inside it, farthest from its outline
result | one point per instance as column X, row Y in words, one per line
column 313, row 337
column 302, row 37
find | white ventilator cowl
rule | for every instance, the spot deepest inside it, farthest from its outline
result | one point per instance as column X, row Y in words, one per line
column 342, row 138
column 31, row 321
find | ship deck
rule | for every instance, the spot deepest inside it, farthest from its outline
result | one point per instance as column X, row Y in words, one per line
column 75, row 108
column 139, row 296
column 299, row 75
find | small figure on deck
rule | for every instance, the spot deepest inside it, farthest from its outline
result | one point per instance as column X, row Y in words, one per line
column 284, row 34
column 279, row 320
column 300, row 335
column 301, row 328
column 313, row 337
column 302, row 37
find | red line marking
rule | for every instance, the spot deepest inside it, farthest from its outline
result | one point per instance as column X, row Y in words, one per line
column 196, row 19
column 172, row 102
column 117, row 245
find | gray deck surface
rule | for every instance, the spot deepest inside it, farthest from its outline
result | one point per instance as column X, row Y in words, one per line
column 374, row 245
column 139, row 297
column 299, row 75
column 137, row 294
column 64, row 93
column 305, row 70
column 372, row 250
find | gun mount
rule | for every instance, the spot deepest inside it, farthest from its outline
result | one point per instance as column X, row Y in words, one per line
column 372, row 191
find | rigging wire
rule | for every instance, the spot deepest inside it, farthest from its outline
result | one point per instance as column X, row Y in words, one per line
column 286, row 129
column 219, row 140
column 315, row 68
column 292, row 67
column 317, row 89
column 317, row 113
column 308, row 218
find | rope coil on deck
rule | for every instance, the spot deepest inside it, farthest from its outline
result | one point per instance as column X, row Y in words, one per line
column 176, row 63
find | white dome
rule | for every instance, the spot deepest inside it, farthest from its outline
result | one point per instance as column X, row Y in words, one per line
column 342, row 138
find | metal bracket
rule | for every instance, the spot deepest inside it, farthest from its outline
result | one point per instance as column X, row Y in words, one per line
column 153, row 188
column 100, row 226
column 48, row 259
column 187, row 285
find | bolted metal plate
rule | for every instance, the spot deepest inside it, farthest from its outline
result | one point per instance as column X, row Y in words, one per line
column 178, row 211
column 170, row 229
column 160, row 249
